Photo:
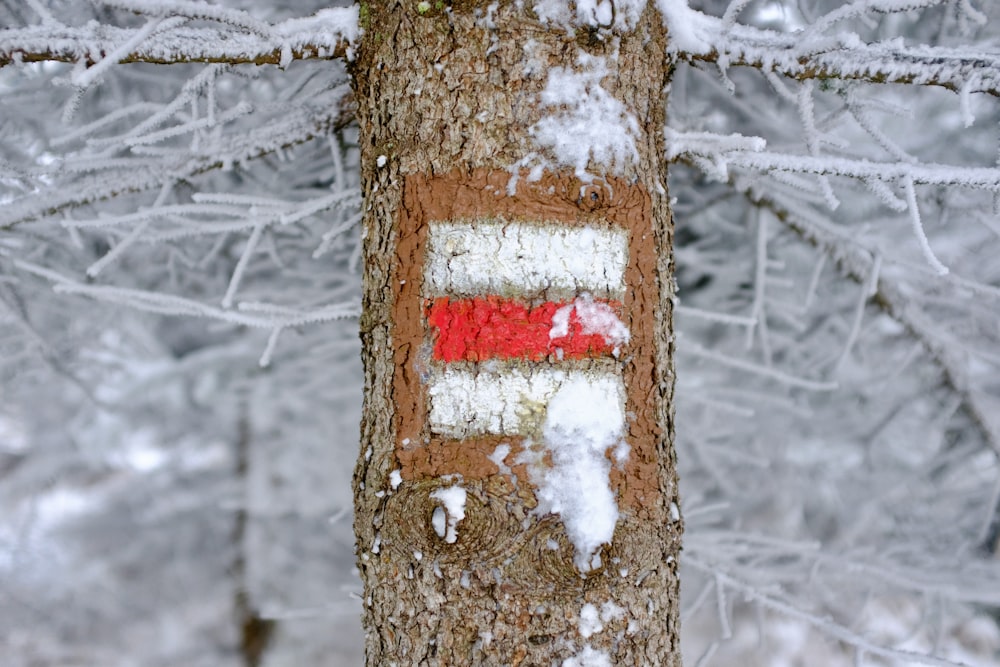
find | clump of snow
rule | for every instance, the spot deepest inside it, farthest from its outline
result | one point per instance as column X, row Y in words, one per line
column 588, row 657
column 445, row 519
column 595, row 317
column 584, row 419
column 590, row 621
column 611, row 612
column 688, row 30
column 324, row 27
column 395, row 479
column 585, row 122
column 621, row 14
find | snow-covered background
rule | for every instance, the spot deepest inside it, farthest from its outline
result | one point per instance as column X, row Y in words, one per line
column 179, row 375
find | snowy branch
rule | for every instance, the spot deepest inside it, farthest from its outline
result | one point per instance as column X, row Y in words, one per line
column 806, row 55
column 858, row 263
column 327, row 35
column 746, row 152
column 135, row 174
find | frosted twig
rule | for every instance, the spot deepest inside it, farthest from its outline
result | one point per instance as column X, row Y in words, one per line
column 868, row 290
column 760, row 286
column 86, row 77
column 241, row 265
column 722, row 608
column 825, row 625
column 294, row 127
column 328, row 35
column 858, row 8
column 986, row 178
column 194, row 10
column 918, row 228
column 796, row 56
column 272, row 342
column 814, row 281
column 784, row 378
column 732, row 11
column 240, row 109
column 167, row 304
column 804, row 101
column 43, row 13
column 855, row 260
column 110, row 256
column 865, row 120
column 715, row 316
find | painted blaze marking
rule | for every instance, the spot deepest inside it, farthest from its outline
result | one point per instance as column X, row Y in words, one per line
column 499, row 258
column 482, row 281
column 494, row 327
column 501, row 296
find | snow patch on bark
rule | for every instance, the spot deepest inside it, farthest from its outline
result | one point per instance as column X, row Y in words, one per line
column 595, row 318
column 585, row 121
column 452, row 510
column 584, row 419
column 622, row 14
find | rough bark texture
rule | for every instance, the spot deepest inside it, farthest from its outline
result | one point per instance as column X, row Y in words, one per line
column 448, row 97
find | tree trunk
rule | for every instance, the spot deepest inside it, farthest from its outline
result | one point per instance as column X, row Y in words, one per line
column 505, row 574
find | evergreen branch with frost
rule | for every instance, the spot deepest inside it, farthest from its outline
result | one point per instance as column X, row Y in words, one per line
column 254, row 316
column 858, row 262
column 772, row 598
column 746, row 152
column 324, row 115
column 326, row 35
column 806, row 55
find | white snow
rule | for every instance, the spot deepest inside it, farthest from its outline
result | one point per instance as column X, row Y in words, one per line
column 688, row 30
column 505, row 400
column 583, row 420
column 445, row 519
column 585, row 122
column 395, row 479
column 494, row 257
column 595, row 317
column 621, row 14
column 590, row 621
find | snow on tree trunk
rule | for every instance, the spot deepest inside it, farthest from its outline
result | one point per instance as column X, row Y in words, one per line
column 516, row 492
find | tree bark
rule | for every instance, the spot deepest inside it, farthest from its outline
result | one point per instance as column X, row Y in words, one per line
column 447, row 97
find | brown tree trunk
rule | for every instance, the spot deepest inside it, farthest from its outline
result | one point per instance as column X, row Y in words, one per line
column 447, row 95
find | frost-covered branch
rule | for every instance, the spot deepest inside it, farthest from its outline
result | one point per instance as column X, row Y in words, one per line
column 775, row 601
column 322, row 116
column 326, row 35
column 744, row 152
column 250, row 314
column 812, row 54
column 859, row 262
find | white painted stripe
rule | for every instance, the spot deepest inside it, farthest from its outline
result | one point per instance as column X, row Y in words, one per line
column 512, row 401
column 476, row 258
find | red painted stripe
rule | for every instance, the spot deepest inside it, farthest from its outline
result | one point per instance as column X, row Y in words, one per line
column 493, row 327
